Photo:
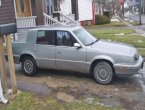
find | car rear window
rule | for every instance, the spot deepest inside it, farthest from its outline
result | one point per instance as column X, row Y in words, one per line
column 45, row 37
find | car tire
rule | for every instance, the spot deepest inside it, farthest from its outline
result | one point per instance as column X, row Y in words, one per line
column 103, row 73
column 29, row 66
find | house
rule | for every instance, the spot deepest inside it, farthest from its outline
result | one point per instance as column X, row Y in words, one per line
column 27, row 13
column 7, row 14
column 30, row 13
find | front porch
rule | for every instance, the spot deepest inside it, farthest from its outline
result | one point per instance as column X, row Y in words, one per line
column 24, row 22
column 30, row 13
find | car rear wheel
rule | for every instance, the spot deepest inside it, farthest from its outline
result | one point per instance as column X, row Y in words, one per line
column 29, row 66
column 103, row 73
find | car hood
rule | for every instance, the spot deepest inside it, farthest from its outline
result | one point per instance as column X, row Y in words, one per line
column 110, row 46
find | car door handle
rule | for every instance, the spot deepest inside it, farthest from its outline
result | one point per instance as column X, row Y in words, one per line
column 59, row 52
column 35, row 49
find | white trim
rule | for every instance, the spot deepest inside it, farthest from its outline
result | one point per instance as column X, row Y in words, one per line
column 62, row 60
column 0, row 3
column 15, row 9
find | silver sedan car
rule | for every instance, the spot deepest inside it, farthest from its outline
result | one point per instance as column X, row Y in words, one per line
column 74, row 49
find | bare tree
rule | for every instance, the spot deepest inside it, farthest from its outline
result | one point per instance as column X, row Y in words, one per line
column 143, row 6
column 113, row 6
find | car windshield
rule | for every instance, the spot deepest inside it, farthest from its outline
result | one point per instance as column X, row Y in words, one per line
column 85, row 37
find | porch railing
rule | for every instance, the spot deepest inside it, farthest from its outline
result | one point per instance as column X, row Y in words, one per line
column 48, row 20
column 67, row 19
column 26, row 22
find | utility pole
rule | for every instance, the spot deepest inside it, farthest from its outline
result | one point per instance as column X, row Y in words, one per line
column 140, row 21
column 122, row 7
column 123, row 10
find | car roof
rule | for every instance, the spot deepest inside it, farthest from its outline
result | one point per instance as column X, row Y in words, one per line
column 67, row 28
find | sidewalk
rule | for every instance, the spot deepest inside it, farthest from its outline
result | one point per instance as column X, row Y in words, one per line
column 138, row 29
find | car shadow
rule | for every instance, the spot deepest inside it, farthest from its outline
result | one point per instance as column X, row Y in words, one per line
column 118, row 80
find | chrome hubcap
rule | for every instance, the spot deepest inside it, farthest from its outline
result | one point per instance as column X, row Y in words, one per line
column 103, row 73
column 28, row 66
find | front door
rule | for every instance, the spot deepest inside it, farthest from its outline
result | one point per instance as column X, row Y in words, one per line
column 69, row 57
column 74, row 5
column 45, row 50
column 23, row 8
column 49, row 7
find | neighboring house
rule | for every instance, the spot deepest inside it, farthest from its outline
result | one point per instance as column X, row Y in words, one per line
column 83, row 10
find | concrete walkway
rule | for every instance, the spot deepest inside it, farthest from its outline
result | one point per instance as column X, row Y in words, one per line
column 138, row 29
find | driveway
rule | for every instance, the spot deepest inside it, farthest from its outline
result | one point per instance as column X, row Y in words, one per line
column 127, row 92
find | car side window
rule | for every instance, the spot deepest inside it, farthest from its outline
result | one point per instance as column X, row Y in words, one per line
column 45, row 37
column 64, row 38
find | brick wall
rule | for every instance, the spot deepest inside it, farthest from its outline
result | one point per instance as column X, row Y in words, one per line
column 7, row 12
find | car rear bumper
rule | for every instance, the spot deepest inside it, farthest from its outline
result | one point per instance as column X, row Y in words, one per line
column 122, row 69
column 16, row 59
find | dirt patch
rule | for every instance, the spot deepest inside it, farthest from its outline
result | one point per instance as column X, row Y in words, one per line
column 65, row 97
column 125, row 92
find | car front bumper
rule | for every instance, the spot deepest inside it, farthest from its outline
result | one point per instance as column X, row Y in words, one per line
column 122, row 69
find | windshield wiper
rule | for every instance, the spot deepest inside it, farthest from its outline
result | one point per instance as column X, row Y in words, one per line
column 93, row 42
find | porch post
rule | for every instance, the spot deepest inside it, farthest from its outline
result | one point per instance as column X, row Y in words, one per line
column 11, row 64
column 15, row 9
column 58, row 5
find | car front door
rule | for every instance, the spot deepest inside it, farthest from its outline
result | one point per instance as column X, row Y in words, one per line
column 69, row 57
column 44, row 49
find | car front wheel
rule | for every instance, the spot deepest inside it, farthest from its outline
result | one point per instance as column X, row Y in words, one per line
column 103, row 73
column 29, row 66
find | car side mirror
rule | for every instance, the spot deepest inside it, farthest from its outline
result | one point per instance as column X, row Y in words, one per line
column 77, row 45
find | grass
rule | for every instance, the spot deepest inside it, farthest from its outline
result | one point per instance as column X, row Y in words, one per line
column 142, row 51
column 27, row 101
column 113, row 31
column 123, row 35
column 112, row 24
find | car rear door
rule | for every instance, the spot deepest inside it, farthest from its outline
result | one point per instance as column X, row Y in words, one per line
column 44, row 49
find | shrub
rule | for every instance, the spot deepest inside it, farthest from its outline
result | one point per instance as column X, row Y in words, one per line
column 100, row 19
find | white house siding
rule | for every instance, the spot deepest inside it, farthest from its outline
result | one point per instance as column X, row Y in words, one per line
column 85, row 10
column 65, row 6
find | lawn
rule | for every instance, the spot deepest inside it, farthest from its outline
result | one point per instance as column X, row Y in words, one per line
column 28, row 101
column 112, row 24
column 120, row 34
